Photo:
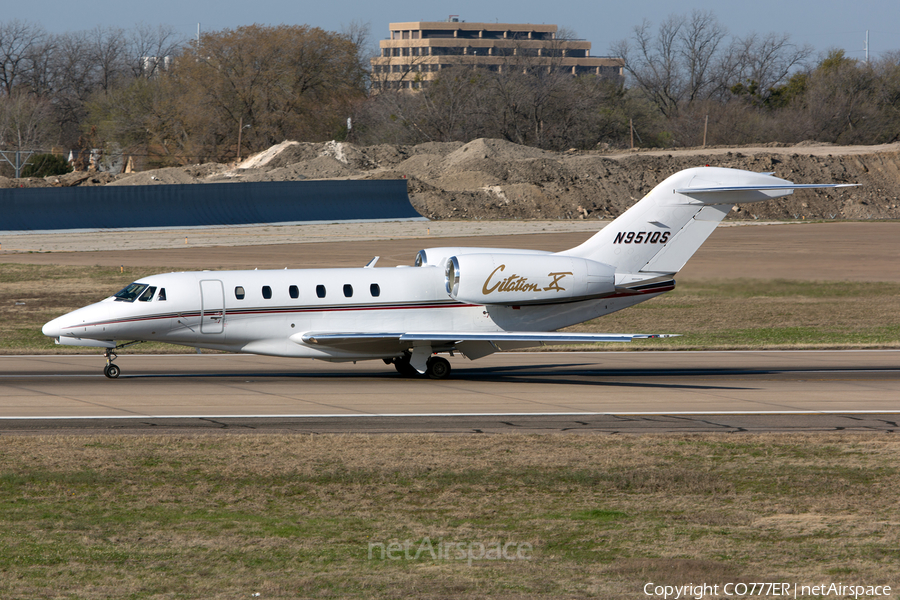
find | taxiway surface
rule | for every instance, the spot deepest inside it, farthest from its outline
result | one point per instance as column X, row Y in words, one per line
column 556, row 391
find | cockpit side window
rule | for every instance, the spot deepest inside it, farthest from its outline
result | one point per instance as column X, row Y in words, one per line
column 162, row 295
column 130, row 292
column 147, row 296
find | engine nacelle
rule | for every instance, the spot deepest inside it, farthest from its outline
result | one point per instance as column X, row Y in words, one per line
column 515, row 279
column 433, row 257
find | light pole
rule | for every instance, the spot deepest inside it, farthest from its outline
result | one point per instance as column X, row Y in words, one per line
column 241, row 128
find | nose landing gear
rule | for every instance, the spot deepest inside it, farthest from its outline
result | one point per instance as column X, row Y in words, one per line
column 112, row 370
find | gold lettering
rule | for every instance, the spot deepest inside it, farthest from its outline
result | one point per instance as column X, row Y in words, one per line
column 554, row 285
column 517, row 283
column 487, row 290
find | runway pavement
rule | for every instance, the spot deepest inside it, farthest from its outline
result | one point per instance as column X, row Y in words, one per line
column 616, row 392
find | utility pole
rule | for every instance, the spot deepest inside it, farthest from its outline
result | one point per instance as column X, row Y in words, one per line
column 241, row 128
column 867, row 46
column 16, row 160
column 20, row 161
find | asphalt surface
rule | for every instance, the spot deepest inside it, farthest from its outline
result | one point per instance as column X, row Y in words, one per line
column 608, row 392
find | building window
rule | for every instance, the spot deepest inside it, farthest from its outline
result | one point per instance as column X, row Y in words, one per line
column 239, row 292
column 294, row 291
column 348, row 290
column 320, row 291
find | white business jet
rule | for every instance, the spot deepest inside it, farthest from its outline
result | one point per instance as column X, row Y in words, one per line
column 475, row 301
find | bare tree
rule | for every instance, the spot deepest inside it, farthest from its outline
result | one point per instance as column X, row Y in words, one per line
column 107, row 48
column 653, row 63
column 25, row 122
column 763, row 61
column 450, row 104
column 699, row 39
column 149, row 48
column 17, row 45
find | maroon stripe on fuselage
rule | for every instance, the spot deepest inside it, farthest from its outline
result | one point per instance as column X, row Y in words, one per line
column 275, row 311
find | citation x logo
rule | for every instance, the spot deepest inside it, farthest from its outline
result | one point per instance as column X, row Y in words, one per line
column 515, row 283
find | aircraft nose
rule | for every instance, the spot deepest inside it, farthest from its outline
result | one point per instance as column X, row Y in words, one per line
column 52, row 328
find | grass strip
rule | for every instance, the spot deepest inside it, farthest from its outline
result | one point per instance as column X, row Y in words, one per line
column 286, row 516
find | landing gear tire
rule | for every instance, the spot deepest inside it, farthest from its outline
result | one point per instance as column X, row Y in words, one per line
column 403, row 367
column 438, row 367
column 112, row 371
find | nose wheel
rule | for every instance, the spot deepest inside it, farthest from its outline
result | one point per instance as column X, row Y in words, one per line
column 111, row 370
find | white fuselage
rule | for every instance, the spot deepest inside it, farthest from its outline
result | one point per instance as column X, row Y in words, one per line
column 203, row 309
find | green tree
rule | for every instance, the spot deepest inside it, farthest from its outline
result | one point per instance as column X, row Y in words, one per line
column 286, row 82
column 46, row 165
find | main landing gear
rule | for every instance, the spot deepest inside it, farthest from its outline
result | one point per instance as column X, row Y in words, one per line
column 437, row 367
column 112, row 370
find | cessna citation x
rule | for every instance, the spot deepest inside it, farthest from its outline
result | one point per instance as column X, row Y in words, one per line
column 472, row 300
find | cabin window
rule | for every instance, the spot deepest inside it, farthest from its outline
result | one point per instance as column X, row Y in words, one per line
column 320, row 291
column 147, row 296
column 267, row 292
column 162, row 295
column 294, row 291
column 374, row 290
column 348, row 290
column 239, row 292
column 130, row 292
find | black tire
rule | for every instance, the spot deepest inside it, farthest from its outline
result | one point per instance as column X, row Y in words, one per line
column 404, row 368
column 112, row 371
column 438, row 367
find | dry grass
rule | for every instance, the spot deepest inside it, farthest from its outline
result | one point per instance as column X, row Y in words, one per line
column 293, row 516
column 748, row 314
column 31, row 295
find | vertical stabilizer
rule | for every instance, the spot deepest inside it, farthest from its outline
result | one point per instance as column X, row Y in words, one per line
column 662, row 231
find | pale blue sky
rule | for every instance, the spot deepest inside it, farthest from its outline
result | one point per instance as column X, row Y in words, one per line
column 823, row 24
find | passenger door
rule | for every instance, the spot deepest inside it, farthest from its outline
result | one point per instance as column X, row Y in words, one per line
column 212, row 306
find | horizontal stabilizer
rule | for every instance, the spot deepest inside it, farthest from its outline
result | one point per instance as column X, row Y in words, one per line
column 753, row 188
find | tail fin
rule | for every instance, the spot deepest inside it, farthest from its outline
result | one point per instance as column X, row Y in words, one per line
column 658, row 235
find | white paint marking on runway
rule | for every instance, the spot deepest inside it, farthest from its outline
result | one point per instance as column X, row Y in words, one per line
column 447, row 415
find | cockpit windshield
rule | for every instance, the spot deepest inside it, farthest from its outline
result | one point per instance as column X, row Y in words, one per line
column 130, row 292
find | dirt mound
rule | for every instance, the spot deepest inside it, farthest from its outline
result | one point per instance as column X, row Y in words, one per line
column 496, row 179
column 167, row 176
